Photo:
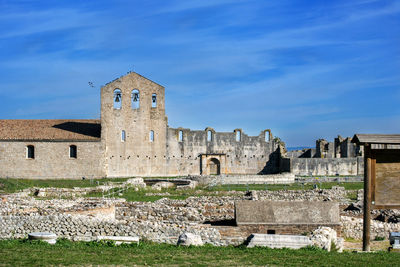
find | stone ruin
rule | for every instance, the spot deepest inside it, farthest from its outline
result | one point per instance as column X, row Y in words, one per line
column 211, row 218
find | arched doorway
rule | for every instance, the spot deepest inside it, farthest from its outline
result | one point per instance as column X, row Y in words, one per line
column 214, row 166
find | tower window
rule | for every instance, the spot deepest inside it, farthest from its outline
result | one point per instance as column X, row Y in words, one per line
column 238, row 136
column 123, row 136
column 151, row 136
column 209, row 136
column 30, row 152
column 154, row 100
column 180, row 136
column 267, row 139
column 73, row 152
column 117, row 99
column 135, row 99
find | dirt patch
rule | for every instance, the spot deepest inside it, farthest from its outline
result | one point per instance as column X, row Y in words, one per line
column 375, row 245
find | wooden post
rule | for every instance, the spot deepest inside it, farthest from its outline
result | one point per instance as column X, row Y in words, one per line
column 367, row 197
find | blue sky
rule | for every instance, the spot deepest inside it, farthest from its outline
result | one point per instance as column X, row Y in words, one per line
column 305, row 69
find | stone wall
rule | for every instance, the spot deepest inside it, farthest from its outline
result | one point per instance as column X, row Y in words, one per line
column 51, row 160
column 248, row 212
column 353, row 228
column 79, row 227
column 244, row 155
column 324, row 166
column 285, row 178
column 211, row 217
column 173, row 151
column 137, row 154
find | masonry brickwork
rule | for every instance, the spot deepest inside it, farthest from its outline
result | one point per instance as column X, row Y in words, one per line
column 132, row 139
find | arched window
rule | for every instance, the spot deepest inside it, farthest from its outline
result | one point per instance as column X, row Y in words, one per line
column 117, row 99
column 30, row 152
column 73, row 153
column 267, row 135
column 238, row 136
column 151, row 136
column 180, row 136
column 135, row 99
column 154, row 100
column 123, row 136
column 209, row 136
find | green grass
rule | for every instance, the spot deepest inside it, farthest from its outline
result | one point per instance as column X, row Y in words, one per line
column 221, row 190
column 353, row 195
column 132, row 195
column 14, row 185
column 26, row 253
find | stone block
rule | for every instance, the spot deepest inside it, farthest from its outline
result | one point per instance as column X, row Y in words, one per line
column 286, row 212
column 120, row 239
column 50, row 238
column 278, row 241
column 161, row 185
column 189, row 239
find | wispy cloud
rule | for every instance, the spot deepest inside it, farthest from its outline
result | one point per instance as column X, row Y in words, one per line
column 285, row 65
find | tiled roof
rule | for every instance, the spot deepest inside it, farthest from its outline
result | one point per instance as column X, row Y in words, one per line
column 52, row 130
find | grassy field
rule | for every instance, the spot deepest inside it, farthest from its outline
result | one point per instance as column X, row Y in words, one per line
column 224, row 190
column 14, row 185
column 26, row 253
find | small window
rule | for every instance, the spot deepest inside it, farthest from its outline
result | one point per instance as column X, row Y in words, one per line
column 135, row 99
column 123, row 136
column 267, row 137
column 238, row 136
column 180, row 136
column 154, row 101
column 30, row 152
column 73, row 152
column 151, row 136
column 117, row 99
column 209, row 136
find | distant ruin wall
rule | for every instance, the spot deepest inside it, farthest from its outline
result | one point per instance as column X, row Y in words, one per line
column 191, row 152
column 284, row 178
column 323, row 166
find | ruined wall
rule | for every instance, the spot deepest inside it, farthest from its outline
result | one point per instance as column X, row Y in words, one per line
column 137, row 155
column 333, row 166
column 192, row 152
column 51, row 160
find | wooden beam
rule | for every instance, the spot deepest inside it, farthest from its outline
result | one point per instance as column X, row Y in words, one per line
column 367, row 197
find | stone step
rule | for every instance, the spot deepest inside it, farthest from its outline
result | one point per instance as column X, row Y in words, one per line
column 279, row 241
column 50, row 238
column 120, row 239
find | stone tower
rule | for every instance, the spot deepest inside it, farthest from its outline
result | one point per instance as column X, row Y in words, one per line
column 133, row 127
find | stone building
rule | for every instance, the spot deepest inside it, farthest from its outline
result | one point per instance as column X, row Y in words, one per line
column 340, row 157
column 132, row 138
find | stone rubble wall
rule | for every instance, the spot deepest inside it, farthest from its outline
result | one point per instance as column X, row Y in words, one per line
column 78, row 227
column 193, row 209
column 160, row 221
column 353, row 228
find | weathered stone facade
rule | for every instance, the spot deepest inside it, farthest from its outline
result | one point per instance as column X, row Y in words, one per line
column 340, row 157
column 51, row 160
column 134, row 140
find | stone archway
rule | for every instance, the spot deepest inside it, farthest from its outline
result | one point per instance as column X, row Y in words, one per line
column 214, row 166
